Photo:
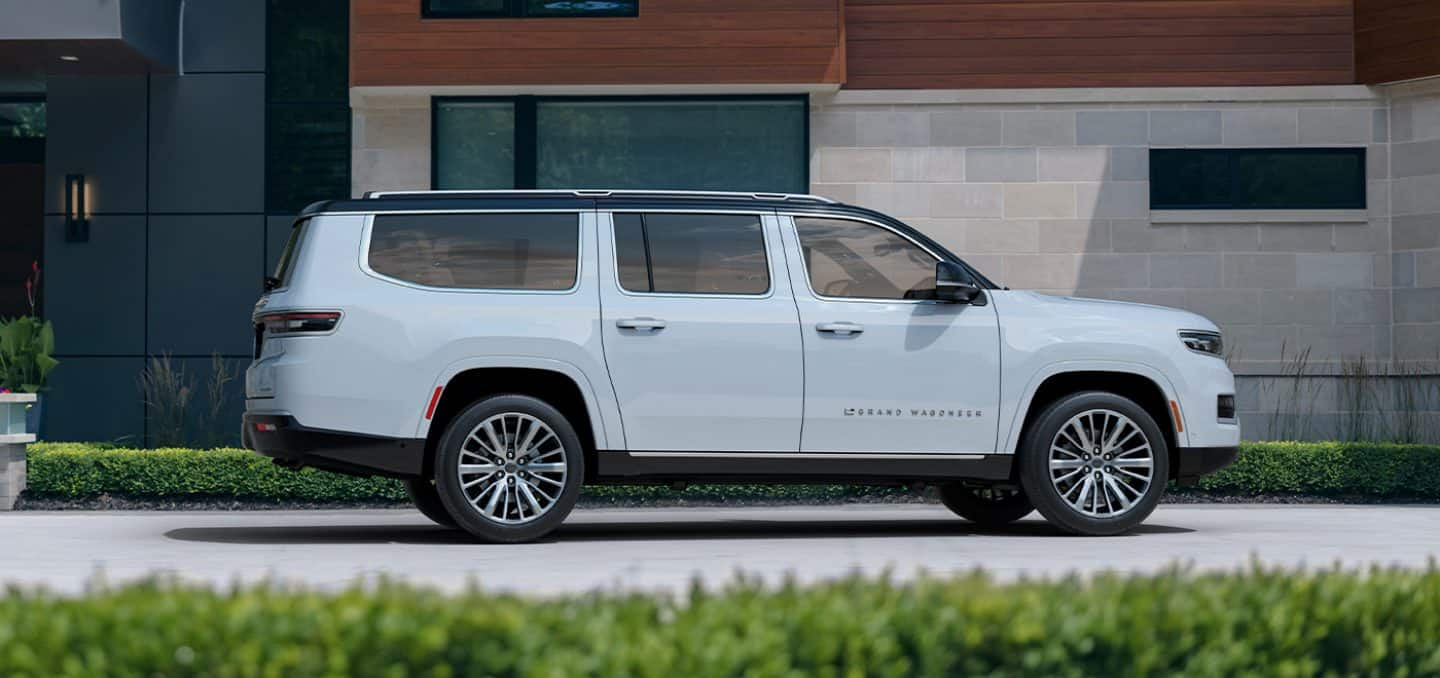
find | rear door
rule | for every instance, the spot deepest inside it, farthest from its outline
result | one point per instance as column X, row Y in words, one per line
column 700, row 329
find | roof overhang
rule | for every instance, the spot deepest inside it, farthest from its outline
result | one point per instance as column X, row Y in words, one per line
column 87, row 37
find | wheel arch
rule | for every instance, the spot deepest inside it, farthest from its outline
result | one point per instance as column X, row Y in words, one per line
column 1145, row 386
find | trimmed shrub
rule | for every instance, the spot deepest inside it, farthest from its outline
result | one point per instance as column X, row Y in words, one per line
column 77, row 470
column 1382, row 623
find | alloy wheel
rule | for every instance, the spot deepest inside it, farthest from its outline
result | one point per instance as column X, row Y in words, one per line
column 1101, row 463
column 512, row 468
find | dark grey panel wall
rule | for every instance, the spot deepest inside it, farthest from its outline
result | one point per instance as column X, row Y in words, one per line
column 205, row 275
column 95, row 399
column 207, row 143
column 152, row 28
column 97, row 128
column 95, row 291
column 224, row 35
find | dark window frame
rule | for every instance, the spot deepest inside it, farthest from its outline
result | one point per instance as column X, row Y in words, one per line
column 516, row 9
column 770, row 273
column 526, row 128
column 1359, row 152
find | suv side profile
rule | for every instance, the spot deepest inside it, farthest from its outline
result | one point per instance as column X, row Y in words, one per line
column 497, row 350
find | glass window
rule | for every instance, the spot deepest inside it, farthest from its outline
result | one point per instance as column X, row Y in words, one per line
column 1257, row 178
column 529, row 8
column 696, row 144
column 691, row 253
column 474, row 144
column 307, row 109
column 307, row 155
column 855, row 259
column 478, row 251
column 307, row 47
column 22, row 119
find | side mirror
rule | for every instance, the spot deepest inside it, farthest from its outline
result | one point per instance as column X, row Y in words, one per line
column 953, row 284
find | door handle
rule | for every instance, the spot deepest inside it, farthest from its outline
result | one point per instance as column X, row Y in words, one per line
column 640, row 324
column 841, row 328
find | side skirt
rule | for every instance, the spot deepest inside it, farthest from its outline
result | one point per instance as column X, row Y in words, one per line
column 798, row 467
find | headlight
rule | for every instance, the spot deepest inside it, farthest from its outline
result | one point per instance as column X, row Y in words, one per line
column 1202, row 342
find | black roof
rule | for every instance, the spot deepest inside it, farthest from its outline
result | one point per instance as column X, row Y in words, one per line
column 407, row 201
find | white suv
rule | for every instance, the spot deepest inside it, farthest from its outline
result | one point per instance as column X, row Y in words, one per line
column 497, row 350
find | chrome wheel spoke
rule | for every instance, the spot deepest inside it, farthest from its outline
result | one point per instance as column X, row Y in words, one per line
column 503, row 465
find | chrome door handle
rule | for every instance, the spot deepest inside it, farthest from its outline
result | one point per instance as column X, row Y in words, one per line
column 641, row 324
column 841, row 328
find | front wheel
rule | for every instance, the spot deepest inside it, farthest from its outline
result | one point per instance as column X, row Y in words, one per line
column 986, row 506
column 509, row 468
column 1094, row 463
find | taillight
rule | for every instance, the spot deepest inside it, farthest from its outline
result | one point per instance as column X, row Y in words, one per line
column 299, row 322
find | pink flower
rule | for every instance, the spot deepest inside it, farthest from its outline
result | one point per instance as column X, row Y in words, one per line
column 3, row 391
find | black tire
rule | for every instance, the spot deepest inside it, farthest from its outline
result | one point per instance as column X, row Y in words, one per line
column 471, row 517
column 427, row 499
column 1036, row 472
column 986, row 506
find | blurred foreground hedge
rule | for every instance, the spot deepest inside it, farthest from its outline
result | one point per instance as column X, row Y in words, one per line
column 78, row 470
column 1381, row 623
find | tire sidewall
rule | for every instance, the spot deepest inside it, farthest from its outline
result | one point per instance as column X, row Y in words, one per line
column 1035, row 466
column 447, row 457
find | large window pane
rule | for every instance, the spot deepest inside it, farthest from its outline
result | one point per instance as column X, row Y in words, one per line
column 739, row 145
column 478, row 251
column 1257, row 178
column 307, row 155
column 467, row 8
column 307, row 46
column 859, row 260
column 580, row 7
column 691, row 253
column 22, row 119
column 474, row 144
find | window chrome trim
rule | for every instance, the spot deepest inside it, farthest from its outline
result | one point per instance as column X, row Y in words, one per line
column 580, row 253
column 769, row 261
column 805, row 266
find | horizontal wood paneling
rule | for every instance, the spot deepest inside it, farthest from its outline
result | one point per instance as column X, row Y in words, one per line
column 1397, row 39
column 1098, row 43
column 671, row 42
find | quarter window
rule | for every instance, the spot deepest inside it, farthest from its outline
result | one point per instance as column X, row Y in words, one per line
column 478, row 251
column 691, row 253
column 859, row 260
column 1257, row 178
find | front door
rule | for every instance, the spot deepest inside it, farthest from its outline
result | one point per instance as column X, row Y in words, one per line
column 887, row 370
column 700, row 331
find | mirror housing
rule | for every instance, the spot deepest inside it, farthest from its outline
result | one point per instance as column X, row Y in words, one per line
column 953, row 284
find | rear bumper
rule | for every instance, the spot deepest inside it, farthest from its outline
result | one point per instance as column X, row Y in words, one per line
column 1195, row 462
column 282, row 438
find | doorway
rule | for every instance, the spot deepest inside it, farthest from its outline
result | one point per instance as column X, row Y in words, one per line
column 22, row 200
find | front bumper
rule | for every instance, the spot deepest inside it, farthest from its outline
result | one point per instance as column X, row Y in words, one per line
column 282, row 438
column 1194, row 462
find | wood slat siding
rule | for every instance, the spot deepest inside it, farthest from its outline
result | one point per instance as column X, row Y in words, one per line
column 939, row 44
column 1397, row 39
column 671, row 42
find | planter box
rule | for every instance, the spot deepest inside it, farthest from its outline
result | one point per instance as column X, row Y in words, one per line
column 13, row 438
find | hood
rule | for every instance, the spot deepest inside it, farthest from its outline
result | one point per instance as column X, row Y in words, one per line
column 1123, row 311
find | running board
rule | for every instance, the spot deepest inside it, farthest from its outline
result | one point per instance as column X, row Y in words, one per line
column 816, row 467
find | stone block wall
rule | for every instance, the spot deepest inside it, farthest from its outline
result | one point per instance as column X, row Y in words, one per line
column 1415, row 224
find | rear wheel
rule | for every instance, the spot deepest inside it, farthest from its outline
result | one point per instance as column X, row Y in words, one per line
column 427, row 499
column 988, row 506
column 509, row 468
column 1094, row 463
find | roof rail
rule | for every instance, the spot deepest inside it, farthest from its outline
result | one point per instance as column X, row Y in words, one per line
column 602, row 193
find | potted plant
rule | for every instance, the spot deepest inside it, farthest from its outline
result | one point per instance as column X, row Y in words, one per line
column 26, row 345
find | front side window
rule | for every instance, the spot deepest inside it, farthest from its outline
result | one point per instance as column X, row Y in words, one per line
column 863, row 261
column 1257, row 178
column 475, row 9
column 691, row 253
column 478, row 251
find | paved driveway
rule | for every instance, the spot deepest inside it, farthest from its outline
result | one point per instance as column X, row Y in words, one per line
column 666, row 548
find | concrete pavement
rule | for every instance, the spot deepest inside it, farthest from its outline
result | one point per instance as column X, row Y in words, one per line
column 664, row 549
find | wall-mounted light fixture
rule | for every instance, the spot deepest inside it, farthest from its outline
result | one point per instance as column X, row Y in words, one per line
column 77, row 226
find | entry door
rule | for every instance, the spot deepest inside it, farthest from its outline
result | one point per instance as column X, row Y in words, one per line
column 886, row 371
column 701, row 335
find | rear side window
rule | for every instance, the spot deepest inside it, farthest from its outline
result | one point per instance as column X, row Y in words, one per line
column 478, row 251
column 286, row 266
column 691, row 253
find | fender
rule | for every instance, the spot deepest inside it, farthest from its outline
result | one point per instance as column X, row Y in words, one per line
column 604, row 413
column 1017, row 419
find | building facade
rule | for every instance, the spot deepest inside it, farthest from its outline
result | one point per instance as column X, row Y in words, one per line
column 1272, row 164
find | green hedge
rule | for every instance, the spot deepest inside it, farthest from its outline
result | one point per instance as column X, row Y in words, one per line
column 75, row 470
column 1381, row 623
